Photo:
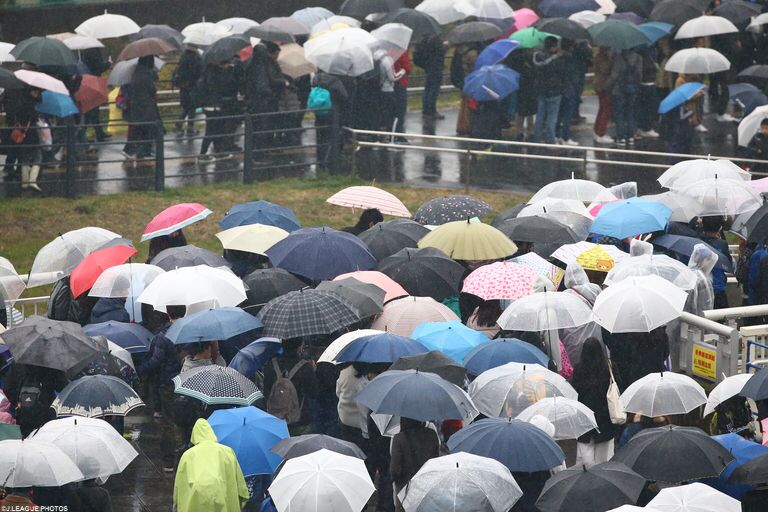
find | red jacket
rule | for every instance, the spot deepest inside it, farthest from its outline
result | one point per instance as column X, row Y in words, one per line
column 404, row 62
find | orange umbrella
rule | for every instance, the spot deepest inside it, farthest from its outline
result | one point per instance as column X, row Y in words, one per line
column 88, row 270
column 92, row 93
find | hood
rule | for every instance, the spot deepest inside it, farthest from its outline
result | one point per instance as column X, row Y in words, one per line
column 202, row 432
column 575, row 275
column 107, row 309
column 640, row 248
column 702, row 258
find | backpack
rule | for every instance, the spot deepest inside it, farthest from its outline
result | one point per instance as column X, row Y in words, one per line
column 457, row 70
column 421, row 55
column 29, row 396
column 283, row 400
column 319, row 100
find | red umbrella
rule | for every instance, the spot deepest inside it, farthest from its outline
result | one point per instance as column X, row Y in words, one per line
column 174, row 218
column 88, row 270
column 92, row 93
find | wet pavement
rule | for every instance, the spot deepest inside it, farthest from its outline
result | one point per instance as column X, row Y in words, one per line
column 408, row 165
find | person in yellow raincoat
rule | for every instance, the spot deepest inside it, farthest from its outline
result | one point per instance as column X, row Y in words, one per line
column 209, row 478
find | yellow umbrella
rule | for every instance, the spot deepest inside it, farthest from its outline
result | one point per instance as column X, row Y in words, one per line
column 466, row 240
column 255, row 238
column 596, row 258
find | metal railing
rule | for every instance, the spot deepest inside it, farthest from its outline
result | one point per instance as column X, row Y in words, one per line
column 708, row 350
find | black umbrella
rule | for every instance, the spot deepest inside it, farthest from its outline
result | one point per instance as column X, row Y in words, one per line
column 676, row 12
column 640, row 7
column 267, row 284
column 96, row 396
column 361, row 8
column 602, row 487
column 753, row 472
column 757, row 225
column 310, row 443
column 440, row 210
column 737, row 11
column 164, row 32
column 564, row 27
column 307, row 313
column 756, row 387
column 427, row 272
column 756, row 71
column 273, row 34
column 538, row 229
column 433, row 362
column 386, row 238
column 9, row 81
column 44, row 51
column 187, row 256
column 225, row 49
column 509, row 213
column 423, row 25
column 473, row 32
column 674, row 454
column 367, row 298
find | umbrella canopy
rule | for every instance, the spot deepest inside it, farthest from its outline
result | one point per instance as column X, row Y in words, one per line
column 320, row 481
column 530, row 37
column 502, row 351
column 31, row 463
column 453, row 338
column 433, row 362
column 756, row 388
column 424, row 272
column 554, row 206
column 745, row 451
column 204, row 34
column 394, row 38
column 444, row 11
column 687, row 172
column 53, row 344
column 197, row 288
column 639, row 304
column 273, row 34
column 307, row 313
column 559, row 9
column 126, row 281
column 543, row 311
column 587, row 19
column 211, row 325
column 56, row 105
column 620, row 35
column 541, row 266
column 749, row 101
column 417, row 395
column 473, row 32
column 386, row 238
column 676, row 12
column 749, row 125
column 293, row 62
column 187, row 256
column 76, row 41
column 684, row 246
column 330, row 353
column 237, row 25
column 215, row 384
column 609, row 484
column 697, row 61
column 683, row 208
column 369, row 197
column 541, row 228
column 145, row 47
column 11, row 285
column 502, row 280
column 422, row 24
column 737, row 11
column 134, row 338
column 85, row 274
column 260, row 212
column 630, row 217
column 7, row 79
column 485, row 9
column 590, row 256
column 43, row 51
column 491, row 83
column 105, row 26
column 267, row 284
column 286, row 24
column 723, row 196
column 402, row 316
column 168, row 34
column 321, row 253
column 495, row 52
column 252, row 358
column 571, row 418
column 94, row 396
column 663, row 394
column 674, row 454
column 726, row 389
column 251, row 433
column 40, row 81
column 461, row 481
column 253, row 238
column 345, row 52
column 122, row 72
column 564, row 27
column 584, row 191
column 442, row 210
column 174, row 218
column 655, row 30
column 225, row 49
column 92, row 93
column 368, row 299
column 298, row 446
column 695, row 497
column 519, row 445
column 379, row 348
column 392, row 289
column 753, row 472
column 705, row 26
column 468, row 240
column 311, row 15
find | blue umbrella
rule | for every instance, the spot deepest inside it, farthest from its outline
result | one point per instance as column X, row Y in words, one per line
column 380, row 348
column 132, row 337
column 737, row 89
column 519, row 445
column 491, row 83
column 630, row 217
column 254, row 356
column 679, row 95
column 321, row 253
column 212, row 324
column 251, row 433
column 564, row 8
column 744, row 451
column 750, row 101
column 453, row 339
column 655, row 30
column 57, row 105
column 260, row 212
column 683, row 245
column 502, row 351
column 495, row 52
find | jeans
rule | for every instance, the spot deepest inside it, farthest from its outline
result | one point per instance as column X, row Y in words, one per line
column 646, row 117
column 434, row 79
column 569, row 107
column 546, row 118
column 401, row 107
column 624, row 115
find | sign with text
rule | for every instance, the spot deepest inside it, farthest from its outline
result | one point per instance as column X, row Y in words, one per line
column 705, row 362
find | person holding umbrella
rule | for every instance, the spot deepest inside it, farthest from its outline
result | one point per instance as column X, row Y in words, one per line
column 759, row 145
column 411, row 448
column 21, row 136
column 144, row 113
column 624, row 85
column 185, row 76
column 549, row 84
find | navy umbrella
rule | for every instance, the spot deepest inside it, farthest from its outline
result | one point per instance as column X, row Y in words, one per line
column 441, row 210
column 386, row 238
column 187, row 256
column 749, row 101
column 379, row 348
column 96, row 396
column 134, row 338
column 495, row 52
column 252, row 358
column 426, row 272
column 502, row 351
column 756, row 387
column 260, row 212
column 684, row 245
column 297, row 446
column 737, row 89
column 213, row 324
column 563, row 9
column 307, row 313
column 268, row 283
column 519, row 445
column 640, row 7
column 737, row 11
column 321, row 253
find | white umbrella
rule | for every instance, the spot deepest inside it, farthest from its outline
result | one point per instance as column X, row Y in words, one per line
column 198, row 288
column 120, row 353
column 126, row 280
column 322, row 481
column 11, row 285
column 507, row 390
column 237, row 25
column 749, row 126
column 695, row 497
column 697, row 61
column 638, row 304
column 705, row 26
column 551, row 205
column 487, row 9
column 107, row 25
column 444, row 11
column 683, row 207
column 723, row 196
column 606, row 7
column 61, row 255
column 32, row 463
column 94, row 445
column 344, row 52
column 330, row 353
column 544, row 311
column 587, row 18
column 395, row 38
column 335, row 22
column 204, row 33
column 756, row 25
column 570, row 418
column 584, row 191
column 568, row 253
column 310, row 16
column 688, row 172
column 663, row 394
column 5, row 52
column 79, row 42
column 461, row 481
column 728, row 388
column 660, row 265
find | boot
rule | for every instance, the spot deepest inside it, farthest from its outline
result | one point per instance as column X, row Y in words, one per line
column 25, row 170
column 34, row 172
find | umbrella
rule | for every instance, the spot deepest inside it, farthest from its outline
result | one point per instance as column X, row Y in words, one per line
column 252, row 358
column 530, row 37
column 705, row 26
column 495, row 52
column 630, row 217
column 461, row 481
column 695, row 497
column 590, row 256
column 756, row 388
column 105, row 26
column 126, row 281
column 684, row 246
column 417, row 395
column 571, row 418
column 675, row 12
column 723, row 196
column 53, row 344
column 749, row 101
column 369, row 197
column 452, row 338
column 92, row 93
column 543, row 311
column 485, row 9
column 659, row 265
column 655, row 30
column 737, row 11
column 639, row 304
column 502, row 280
column 754, row 472
column 8, row 80
column 237, row 25
column 663, row 394
column 41, row 81
column 507, row 390
column 94, row 445
column 183, row 256
column 293, row 62
column 297, row 446
column 402, row 316
column 368, row 299
column 260, row 212
column 560, row 9
column 43, row 51
column 321, row 481
column 564, row 27
column 473, row 32
column 725, row 390
column 433, row 362
column 442, row 210
column 444, row 11
column 640, row 7
column 540, row 228
column 253, row 238
column 56, row 105
column 575, row 189
column 122, row 72
column 756, row 25
column 85, row 274
column 468, row 240
column 587, row 18
column 174, row 218
column 599, row 487
column 680, row 95
column 524, row 18
column 204, row 34
column 251, row 433
column 683, row 208
column 273, row 34
column 392, row 289
column 749, row 125
column 688, row 172
column 330, row 353
column 745, row 451
column 94, row 396
column 519, row 445
column 620, row 35
column 424, row 272
column 168, row 34
column 287, row 24
column 225, row 49
column 422, row 24
column 345, row 52
column 31, row 463
column 674, row 454
column 551, row 206
column 491, row 83
column 217, row 385
column 269, row 283
column 334, row 22
column 5, row 52
column 379, row 348
column 321, row 253
column 307, row 313
column 211, row 325
column 395, row 39
column 361, row 8
column 132, row 337
column 11, row 285
column 387, row 238
column 508, row 214
column 310, row 16
column 197, row 288
column 502, row 351
column 76, row 42
column 145, row 47
column 697, row 61
column 541, row 266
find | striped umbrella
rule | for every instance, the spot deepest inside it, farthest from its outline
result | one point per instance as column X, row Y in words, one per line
column 174, row 218
column 369, row 197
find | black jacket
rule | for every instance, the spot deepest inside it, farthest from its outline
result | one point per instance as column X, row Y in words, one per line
column 305, row 381
column 144, row 94
column 189, row 70
column 549, row 74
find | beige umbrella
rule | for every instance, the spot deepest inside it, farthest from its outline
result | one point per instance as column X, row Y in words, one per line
column 293, row 62
column 469, row 240
column 402, row 316
column 254, row 238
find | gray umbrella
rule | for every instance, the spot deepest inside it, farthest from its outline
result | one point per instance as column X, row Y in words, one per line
column 307, row 313
column 427, row 272
column 386, row 238
column 538, row 229
column 273, row 34
column 268, row 283
column 164, row 32
column 440, row 210
column 473, row 32
column 367, row 298
column 311, row 443
column 509, row 213
column 187, row 256
column 122, row 72
column 49, row 343
column 433, row 362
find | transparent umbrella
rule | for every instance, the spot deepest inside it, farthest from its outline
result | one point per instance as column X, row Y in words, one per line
column 444, row 11
column 570, row 418
column 688, row 172
column 750, row 124
column 544, row 311
column 343, row 52
column 663, row 394
column 126, row 281
column 394, row 38
column 204, row 33
column 11, row 285
column 198, row 288
column 108, row 25
column 653, row 265
column 721, row 196
column 31, row 463
column 549, row 205
column 728, row 388
column 584, row 191
column 486, row 9
column 237, row 25
column 683, row 207
column 695, row 497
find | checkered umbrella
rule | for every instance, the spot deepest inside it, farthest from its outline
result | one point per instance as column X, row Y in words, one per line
column 307, row 313
column 217, row 385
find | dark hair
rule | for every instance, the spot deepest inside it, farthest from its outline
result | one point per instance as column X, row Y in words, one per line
column 147, row 61
column 371, row 215
column 567, row 44
column 409, row 424
column 175, row 312
column 271, row 47
column 764, row 122
column 160, row 243
column 196, row 348
column 550, row 42
column 488, row 312
column 712, row 223
column 292, row 345
column 592, row 370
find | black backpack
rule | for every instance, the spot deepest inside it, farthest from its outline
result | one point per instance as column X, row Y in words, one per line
column 29, row 396
column 457, row 70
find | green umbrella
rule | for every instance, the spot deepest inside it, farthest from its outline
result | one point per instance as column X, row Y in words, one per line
column 43, row 51
column 531, row 37
column 617, row 34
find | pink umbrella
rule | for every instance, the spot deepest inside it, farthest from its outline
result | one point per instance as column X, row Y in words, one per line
column 174, row 218
column 41, row 81
column 760, row 185
column 369, row 197
column 393, row 289
column 524, row 18
column 402, row 316
column 501, row 280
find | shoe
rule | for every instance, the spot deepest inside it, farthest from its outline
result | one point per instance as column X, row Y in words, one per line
column 726, row 118
column 203, row 159
column 222, row 156
column 34, row 172
column 25, row 170
column 621, row 142
column 631, row 141
column 168, row 469
column 701, row 128
column 558, row 141
column 648, row 134
column 127, row 155
column 571, row 142
column 604, row 139
column 157, row 415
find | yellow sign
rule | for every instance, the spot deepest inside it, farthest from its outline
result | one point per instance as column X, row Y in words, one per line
column 705, row 362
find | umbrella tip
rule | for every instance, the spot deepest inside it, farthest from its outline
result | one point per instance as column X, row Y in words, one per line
column 468, row 219
column 457, row 465
column 243, row 421
column 584, row 467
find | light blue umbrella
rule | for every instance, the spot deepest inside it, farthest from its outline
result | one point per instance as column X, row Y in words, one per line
column 57, row 105
column 630, row 217
column 260, row 212
column 251, row 433
column 254, row 356
column 213, row 324
column 491, row 83
column 502, row 351
column 495, row 52
column 380, row 348
column 680, row 95
column 655, row 30
column 453, row 339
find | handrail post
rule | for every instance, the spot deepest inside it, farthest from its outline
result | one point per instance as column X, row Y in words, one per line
column 332, row 158
column 355, row 148
column 71, row 161
column 248, row 149
column 159, row 156
column 468, row 173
